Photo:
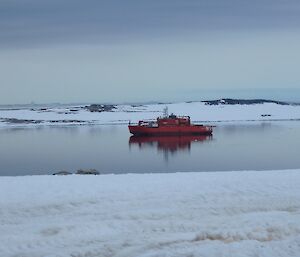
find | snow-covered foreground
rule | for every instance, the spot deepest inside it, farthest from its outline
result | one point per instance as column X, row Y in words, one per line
column 180, row 214
column 198, row 111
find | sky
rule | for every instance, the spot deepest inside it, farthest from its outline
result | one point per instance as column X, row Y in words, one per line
column 140, row 50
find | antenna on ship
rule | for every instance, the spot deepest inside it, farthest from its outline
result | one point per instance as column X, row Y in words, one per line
column 165, row 111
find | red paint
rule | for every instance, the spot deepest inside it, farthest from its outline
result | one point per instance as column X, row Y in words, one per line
column 170, row 125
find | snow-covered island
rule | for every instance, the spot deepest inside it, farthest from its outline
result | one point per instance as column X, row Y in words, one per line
column 122, row 114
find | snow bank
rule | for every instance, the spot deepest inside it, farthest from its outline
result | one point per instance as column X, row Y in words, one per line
column 198, row 111
column 151, row 215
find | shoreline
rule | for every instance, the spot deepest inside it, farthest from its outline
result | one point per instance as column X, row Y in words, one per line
column 49, row 125
column 148, row 173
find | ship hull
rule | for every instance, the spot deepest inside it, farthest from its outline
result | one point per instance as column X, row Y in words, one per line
column 171, row 130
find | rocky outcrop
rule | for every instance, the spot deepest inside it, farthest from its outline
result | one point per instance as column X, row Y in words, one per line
column 62, row 173
column 87, row 172
column 230, row 101
column 21, row 121
column 100, row 107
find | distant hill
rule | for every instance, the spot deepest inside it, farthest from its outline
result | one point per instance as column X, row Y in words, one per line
column 230, row 101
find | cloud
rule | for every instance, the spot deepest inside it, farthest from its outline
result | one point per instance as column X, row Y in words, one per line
column 36, row 22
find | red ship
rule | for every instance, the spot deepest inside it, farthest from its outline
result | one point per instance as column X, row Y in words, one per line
column 169, row 125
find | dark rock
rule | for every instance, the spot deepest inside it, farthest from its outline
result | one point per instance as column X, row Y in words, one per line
column 136, row 105
column 21, row 121
column 67, row 121
column 63, row 172
column 100, row 107
column 229, row 101
column 87, row 172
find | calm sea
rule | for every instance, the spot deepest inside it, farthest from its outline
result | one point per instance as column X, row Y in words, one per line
column 111, row 149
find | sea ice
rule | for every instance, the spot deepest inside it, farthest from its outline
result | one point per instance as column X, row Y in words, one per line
column 213, row 214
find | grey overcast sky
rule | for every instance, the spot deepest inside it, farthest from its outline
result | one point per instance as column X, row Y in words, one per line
column 142, row 50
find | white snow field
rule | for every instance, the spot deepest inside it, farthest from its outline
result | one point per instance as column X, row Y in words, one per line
column 217, row 214
column 198, row 111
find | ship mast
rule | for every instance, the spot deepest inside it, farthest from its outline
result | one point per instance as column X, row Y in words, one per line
column 165, row 112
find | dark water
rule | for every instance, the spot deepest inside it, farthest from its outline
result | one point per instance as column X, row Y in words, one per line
column 110, row 149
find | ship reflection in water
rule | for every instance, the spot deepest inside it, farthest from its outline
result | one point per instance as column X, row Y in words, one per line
column 168, row 144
